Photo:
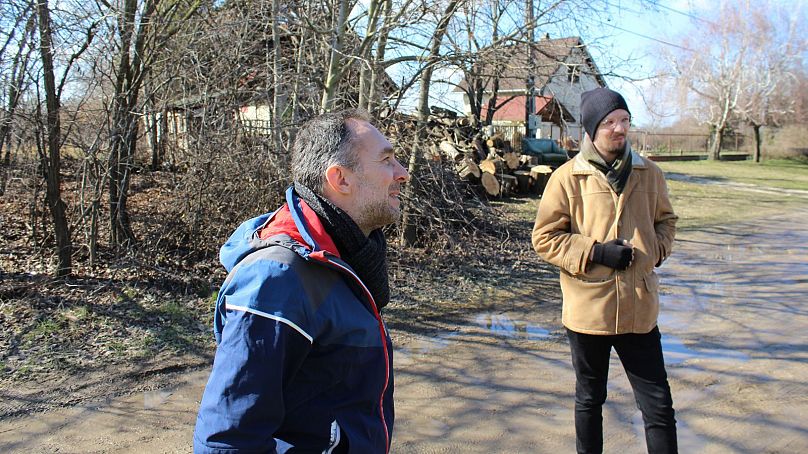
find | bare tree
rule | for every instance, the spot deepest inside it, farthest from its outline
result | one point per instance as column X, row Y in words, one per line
column 142, row 28
column 773, row 64
column 335, row 68
column 14, row 85
column 734, row 67
column 51, row 157
column 417, row 152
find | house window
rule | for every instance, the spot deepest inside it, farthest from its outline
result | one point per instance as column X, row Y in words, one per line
column 573, row 73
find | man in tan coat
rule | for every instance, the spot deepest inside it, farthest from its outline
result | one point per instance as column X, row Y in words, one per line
column 606, row 221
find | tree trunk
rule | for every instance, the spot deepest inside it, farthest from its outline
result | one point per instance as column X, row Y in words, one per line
column 277, row 92
column 16, row 80
column 298, row 75
column 715, row 146
column 756, row 129
column 335, row 68
column 408, row 235
column 492, row 166
column 366, row 72
column 523, row 181
column 381, row 49
column 490, row 184
column 123, row 137
column 52, row 164
column 153, row 119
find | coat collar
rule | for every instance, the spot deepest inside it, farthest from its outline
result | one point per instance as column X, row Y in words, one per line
column 580, row 166
column 296, row 219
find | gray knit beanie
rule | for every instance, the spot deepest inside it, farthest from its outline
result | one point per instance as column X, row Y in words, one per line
column 596, row 104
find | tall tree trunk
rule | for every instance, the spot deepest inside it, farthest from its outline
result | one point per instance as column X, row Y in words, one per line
column 153, row 120
column 492, row 101
column 52, row 164
column 366, row 70
column 17, row 78
column 381, row 49
column 715, row 146
column 295, row 93
column 491, row 108
column 277, row 91
column 123, row 137
column 408, row 230
column 756, row 129
column 335, row 68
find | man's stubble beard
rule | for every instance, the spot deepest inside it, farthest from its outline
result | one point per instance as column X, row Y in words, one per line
column 377, row 215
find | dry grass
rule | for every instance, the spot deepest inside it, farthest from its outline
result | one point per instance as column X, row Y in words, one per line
column 779, row 173
column 726, row 192
column 707, row 193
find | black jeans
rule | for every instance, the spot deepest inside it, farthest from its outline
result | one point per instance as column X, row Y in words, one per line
column 641, row 355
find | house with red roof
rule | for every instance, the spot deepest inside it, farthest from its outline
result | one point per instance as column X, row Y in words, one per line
column 561, row 69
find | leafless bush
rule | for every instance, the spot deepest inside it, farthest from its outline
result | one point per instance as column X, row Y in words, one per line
column 787, row 142
column 449, row 213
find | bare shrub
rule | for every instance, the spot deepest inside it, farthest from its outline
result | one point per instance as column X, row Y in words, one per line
column 788, row 142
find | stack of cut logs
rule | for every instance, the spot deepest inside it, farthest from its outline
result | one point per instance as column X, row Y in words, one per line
column 491, row 163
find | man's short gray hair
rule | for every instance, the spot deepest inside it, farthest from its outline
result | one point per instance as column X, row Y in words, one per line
column 323, row 141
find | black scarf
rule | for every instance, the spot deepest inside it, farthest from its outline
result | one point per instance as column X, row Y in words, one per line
column 366, row 255
column 617, row 173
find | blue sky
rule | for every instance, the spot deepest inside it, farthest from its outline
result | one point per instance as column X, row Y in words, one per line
column 636, row 34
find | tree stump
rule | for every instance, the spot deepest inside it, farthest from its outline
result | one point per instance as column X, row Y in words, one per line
column 523, row 181
column 490, row 184
column 492, row 166
column 540, row 175
column 508, row 184
column 511, row 160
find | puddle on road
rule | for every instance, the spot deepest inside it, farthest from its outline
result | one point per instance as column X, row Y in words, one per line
column 500, row 325
column 505, row 326
column 753, row 275
column 676, row 352
column 154, row 399
column 422, row 345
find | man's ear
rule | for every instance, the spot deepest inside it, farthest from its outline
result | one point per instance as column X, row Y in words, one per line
column 338, row 179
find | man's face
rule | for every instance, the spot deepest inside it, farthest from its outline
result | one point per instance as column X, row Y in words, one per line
column 610, row 137
column 379, row 176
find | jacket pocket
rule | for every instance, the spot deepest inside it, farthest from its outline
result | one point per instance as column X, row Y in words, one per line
column 589, row 305
column 651, row 282
column 596, row 274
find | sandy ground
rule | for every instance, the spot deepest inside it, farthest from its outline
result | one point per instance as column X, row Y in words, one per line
column 733, row 323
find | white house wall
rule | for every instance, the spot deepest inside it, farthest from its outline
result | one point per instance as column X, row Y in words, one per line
column 565, row 92
column 254, row 113
column 568, row 93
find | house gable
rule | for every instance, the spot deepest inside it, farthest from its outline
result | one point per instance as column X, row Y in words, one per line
column 562, row 70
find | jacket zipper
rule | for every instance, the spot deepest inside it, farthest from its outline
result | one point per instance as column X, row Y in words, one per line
column 383, row 334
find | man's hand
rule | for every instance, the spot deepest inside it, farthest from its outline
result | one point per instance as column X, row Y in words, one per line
column 617, row 254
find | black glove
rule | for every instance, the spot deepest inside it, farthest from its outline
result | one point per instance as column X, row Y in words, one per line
column 613, row 254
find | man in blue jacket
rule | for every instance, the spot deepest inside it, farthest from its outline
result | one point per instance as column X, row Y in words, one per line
column 304, row 360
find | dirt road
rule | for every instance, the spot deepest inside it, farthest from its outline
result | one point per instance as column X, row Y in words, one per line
column 735, row 313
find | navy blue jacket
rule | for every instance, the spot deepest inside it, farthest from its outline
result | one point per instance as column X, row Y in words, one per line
column 303, row 361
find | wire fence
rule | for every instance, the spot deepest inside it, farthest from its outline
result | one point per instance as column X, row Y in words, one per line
column 685, row 144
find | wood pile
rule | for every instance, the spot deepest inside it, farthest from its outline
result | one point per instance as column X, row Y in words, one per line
column 491, row 163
